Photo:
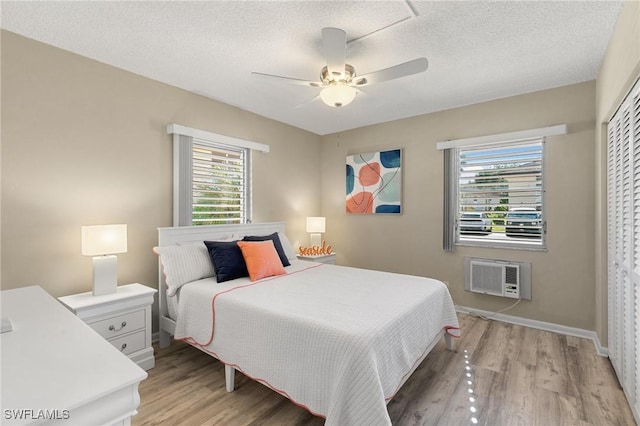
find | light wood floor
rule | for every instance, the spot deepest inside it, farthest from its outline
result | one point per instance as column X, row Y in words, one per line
column 518, row 375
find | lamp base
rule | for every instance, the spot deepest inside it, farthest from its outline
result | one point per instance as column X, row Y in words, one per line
column 105, row 275
column 315, row 239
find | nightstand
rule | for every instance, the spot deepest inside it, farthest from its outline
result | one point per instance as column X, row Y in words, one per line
column 122, row 318
column 322, row 258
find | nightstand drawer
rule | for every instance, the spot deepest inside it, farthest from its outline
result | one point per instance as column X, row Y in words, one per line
column 119, row 325
column 130, row 343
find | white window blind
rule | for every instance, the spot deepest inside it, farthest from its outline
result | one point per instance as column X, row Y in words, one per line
column 220, row 184
column 623, row 215
column 500, row 192
column 497, row 179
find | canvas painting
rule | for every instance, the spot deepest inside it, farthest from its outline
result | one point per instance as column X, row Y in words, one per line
column 374, row 182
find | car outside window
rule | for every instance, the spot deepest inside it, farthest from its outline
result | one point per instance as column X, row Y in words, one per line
column 475, row 224
column 523, row 223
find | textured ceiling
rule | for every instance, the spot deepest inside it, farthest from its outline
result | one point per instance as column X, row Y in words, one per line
column 477, row 50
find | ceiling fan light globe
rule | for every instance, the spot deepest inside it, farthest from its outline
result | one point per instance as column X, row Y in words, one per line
column 337, row 95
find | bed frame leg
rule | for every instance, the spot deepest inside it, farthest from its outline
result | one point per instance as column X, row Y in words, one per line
column 230, row 375
column 165, row 339
column 448, row 341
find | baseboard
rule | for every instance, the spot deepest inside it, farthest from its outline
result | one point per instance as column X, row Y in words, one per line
column 155, row 337
column 541, row 325
column 144, row 358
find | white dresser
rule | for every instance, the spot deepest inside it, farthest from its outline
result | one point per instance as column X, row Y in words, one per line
column 123, row 318
column 56, row 369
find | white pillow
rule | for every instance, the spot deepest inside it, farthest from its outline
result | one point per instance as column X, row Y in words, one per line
column 183, row 264
column 286, row 246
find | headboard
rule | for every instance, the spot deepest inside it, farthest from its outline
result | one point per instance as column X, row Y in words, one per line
column 190, row 234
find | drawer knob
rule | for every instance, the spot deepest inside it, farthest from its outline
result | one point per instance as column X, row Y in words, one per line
column 113, row 328
column 123, row 347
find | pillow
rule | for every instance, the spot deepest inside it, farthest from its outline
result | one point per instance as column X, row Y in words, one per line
column 261, row 258
column 287, row 247
column 183, row 264
column 276, row 243
column 227, row 260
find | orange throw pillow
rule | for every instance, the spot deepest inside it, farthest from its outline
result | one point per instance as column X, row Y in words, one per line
column 261, row 258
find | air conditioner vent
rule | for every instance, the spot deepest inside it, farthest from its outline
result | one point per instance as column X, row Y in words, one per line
column 486, row 277
column 511, row 275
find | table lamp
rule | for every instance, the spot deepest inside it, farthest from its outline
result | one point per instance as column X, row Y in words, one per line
column 103, row 242
column 316, row 226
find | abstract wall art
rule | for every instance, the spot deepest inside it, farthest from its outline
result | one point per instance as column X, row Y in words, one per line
column 374, row 182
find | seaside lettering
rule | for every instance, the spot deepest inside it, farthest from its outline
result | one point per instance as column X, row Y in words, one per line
column 316, row 250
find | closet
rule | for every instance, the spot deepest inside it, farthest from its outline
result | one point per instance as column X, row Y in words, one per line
column 623, row 215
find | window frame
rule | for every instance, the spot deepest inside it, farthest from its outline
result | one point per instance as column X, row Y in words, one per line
column 184, row 139
column 451, row 180
column 483, row 241
column 245, row 203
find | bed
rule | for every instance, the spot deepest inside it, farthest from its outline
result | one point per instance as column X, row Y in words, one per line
column 335, row 340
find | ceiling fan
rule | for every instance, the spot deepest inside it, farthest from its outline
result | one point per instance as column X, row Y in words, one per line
column 338, row 80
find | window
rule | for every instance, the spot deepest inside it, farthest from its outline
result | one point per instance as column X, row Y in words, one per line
column 500, row 193
column 220, row 189
column 494, row 190
column 211, row 177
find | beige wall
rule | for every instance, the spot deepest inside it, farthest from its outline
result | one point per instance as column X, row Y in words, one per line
column 85, row 143
column 563, row 277
column 619, row 70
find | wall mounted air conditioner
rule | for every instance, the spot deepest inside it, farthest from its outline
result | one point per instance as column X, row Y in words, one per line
column 498, row 278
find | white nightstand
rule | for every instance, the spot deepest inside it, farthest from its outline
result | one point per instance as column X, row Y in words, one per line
column 123, row 318
column 323, row 258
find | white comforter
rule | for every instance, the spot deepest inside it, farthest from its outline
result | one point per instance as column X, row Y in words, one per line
column 338, row 341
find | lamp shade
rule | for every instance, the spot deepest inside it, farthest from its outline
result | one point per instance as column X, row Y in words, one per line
column 104, row 239
column 316, row 224
column 337, row 95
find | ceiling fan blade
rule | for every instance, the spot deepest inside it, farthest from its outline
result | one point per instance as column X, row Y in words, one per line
column 334, row 42
column 397, row 71
column 288, row 80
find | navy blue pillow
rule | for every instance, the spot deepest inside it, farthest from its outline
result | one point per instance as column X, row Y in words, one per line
column 227, row 260
column 276, row 242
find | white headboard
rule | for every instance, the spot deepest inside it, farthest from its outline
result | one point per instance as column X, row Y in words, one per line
column 189, row 234
column 186, row 234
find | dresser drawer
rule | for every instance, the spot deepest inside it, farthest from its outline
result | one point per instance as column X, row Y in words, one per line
column 119, row 325
column 130, row 343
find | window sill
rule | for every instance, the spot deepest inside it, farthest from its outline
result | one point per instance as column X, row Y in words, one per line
column 510, row 245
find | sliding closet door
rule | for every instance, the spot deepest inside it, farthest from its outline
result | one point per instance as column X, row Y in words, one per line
column 614, row 178
column 623, row 188
column 635, row 241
